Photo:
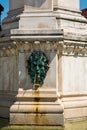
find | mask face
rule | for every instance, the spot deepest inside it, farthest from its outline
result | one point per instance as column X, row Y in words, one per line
column 37, row 67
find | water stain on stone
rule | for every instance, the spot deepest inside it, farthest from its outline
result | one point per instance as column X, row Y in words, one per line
column 36, row 105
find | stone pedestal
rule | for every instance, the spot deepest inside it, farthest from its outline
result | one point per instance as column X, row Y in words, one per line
column 34, row 29
column 37, row 107
column 59, row 31
column 30, row 15
column 27, row 104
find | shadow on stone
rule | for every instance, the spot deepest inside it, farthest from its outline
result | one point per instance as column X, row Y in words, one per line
column 4, row 122
column 35, row 3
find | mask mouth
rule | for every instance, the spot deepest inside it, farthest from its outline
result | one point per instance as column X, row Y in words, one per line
column 37, row 80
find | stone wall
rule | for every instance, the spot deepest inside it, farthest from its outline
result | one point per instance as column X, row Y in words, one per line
column 15, row 82
column 9, row 73
column 74, row 71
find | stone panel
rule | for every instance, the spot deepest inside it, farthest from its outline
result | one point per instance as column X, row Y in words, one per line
column 37, row 119
column 9, row 73
column 51, row 80
column 74, row 72
column 37, row 22
column 69, row 4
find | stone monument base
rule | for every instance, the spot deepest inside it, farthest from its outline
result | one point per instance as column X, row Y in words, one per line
column 35, row 110
column 25, row 118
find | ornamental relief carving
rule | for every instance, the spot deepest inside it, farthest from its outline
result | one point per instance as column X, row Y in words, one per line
column 37, row 67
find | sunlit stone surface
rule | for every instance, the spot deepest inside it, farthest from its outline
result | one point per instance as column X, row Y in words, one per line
column 56, row 28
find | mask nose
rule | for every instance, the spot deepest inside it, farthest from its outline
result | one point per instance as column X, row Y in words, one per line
column 37, row 69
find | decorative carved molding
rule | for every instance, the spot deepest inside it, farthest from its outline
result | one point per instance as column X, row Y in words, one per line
column 75, row 49
column 69, row 48
column 37, row 67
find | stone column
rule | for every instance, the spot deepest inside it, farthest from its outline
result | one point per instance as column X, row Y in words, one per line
column 31, row 27
column 56, row 28
column 30, row 15
column 72, row 62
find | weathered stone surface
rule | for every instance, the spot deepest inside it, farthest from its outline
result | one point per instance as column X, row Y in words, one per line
column 74, row 82
column 9, row 73
column 76, row 103
column 33, row 5
column 58, row 29
column 40, row 107
column 37, row 119
column 74, row 5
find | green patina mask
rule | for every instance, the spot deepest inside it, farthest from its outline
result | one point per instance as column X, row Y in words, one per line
column 37, row 67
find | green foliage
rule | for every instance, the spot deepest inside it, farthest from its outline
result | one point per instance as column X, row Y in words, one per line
column 37, row 67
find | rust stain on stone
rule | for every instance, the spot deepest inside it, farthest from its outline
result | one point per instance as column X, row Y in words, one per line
column 36, row 105
column 42, row 25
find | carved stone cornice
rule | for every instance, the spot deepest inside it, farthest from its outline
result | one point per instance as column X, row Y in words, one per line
column 73, row 49
column 64, row 47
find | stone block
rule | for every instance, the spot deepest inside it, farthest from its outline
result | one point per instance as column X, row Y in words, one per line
column 37, row 119
column 37, row 112
column 4, row 112
column 37, row 22
column 75, row 113
column 68, row 4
